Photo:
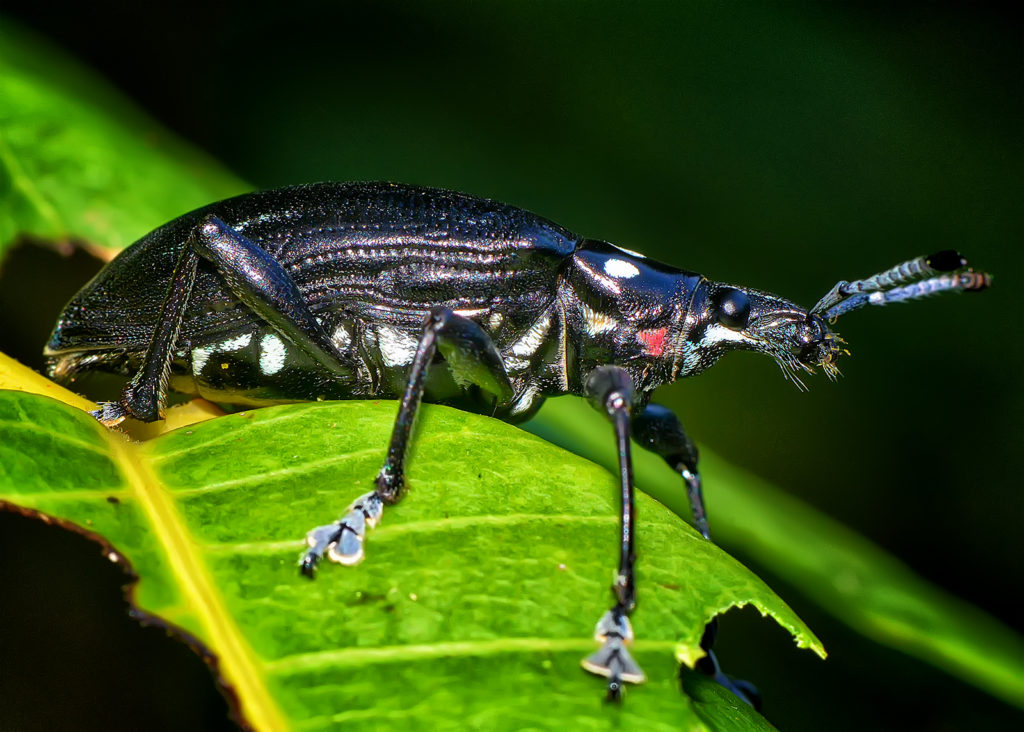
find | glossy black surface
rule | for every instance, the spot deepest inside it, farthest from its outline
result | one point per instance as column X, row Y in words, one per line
column 368, row 261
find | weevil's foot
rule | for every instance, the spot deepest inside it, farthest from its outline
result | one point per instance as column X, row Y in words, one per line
column 745, row 690
column 342, row 541
column 318, row 540
column 613, row 660
column 110, row 413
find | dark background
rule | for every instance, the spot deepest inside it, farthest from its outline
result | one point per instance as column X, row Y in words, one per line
column 778, row 145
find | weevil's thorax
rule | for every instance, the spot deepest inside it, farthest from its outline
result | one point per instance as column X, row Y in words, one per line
column 626, row 310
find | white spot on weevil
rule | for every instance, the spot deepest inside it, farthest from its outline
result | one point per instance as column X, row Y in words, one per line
column 272, row 354
column 341, row 337
column 396, row 347
column 525, row 400
column 620, row 268
column 596, row 322
column 718, row 333
column 199, row 358
column 234, row 344
column 532, row 339
column 202, row 354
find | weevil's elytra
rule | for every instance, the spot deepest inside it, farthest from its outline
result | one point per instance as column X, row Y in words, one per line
column 377, row 290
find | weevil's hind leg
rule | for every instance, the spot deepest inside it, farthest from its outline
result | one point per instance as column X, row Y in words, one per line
column 473, row 359
column 255, row 278
column 143, row 396
column 659, row 430
column 610, row 390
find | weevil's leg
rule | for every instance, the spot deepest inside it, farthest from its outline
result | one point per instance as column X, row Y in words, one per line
column 709, row 666
column 143, row 395
column 252, row 275
column 473, row 359
column 610, row 390
column 259, row 281
column 659, row 430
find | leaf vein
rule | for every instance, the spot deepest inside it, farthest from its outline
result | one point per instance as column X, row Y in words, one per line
column 31, row 427
column 306, row 467
column 350, row 657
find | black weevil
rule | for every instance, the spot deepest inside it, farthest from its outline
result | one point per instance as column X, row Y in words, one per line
column 375, row 290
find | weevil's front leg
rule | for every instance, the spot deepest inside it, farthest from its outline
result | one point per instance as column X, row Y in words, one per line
column 255, row 278
column 659, row 430
column 473, row 359
column 610, row 390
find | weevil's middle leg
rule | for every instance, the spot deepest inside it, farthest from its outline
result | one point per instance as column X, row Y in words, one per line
column 610, row 389
column 659, row 430
column 472, row 358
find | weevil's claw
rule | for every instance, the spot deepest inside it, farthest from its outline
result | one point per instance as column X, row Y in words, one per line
column 319, row 540
column 342, row 541
column 110, row 413
column 348, row 549
column 745, row 691
column 613, row 660
column 307, row 565
column 709, row 666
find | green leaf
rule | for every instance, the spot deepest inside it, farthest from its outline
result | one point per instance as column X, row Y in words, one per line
column 79, row 162
column 479, row 593
column 844, row 573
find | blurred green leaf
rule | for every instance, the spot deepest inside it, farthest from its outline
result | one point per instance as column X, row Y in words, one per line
column 478, row 597
column 80, row 163
column 844, row 573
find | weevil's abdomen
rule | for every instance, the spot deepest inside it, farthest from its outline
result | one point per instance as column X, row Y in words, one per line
column 259, row 367
column 391, row 252
column 379, row 254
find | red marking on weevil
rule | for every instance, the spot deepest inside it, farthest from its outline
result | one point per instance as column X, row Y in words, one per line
column 653, row 340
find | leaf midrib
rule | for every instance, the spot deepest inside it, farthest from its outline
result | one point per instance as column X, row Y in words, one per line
column 356, row 656
column 236, row 660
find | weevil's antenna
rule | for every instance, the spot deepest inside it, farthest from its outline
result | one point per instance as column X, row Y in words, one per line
column 941, row 272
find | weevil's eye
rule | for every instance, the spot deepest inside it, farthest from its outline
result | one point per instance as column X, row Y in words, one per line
column 733, row 309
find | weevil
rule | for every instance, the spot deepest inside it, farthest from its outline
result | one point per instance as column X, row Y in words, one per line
column 378, row 290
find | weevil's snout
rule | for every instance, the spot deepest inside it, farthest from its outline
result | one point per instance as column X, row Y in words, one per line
column 796, row 339
column 736, row 318
column 817, row 345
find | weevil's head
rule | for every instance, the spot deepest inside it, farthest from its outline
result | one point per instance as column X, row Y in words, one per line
column 724, row 318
